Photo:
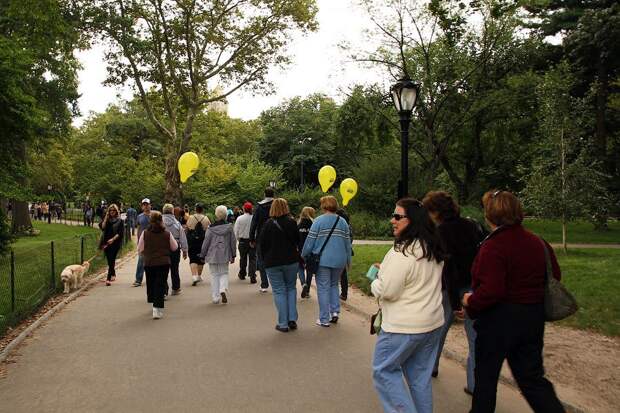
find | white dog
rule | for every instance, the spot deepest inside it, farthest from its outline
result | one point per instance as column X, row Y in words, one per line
column 72, row 275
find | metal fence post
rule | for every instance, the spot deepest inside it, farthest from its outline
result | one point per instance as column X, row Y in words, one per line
column 81, row 249
column 52, row 267
column 12, row 281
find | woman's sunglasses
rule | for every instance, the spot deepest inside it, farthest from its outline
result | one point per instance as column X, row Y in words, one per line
column 398, row 217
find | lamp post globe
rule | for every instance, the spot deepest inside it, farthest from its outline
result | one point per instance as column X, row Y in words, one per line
column 404, row 95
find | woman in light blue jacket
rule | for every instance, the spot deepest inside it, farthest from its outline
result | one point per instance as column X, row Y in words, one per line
column 336, row 256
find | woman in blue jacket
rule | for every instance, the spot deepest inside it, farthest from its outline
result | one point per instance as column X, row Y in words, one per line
column 336, row 256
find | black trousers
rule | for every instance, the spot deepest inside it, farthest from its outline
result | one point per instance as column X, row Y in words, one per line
column 110, row 254
column 344, row 284
column 175, row 260
column 156, row 277
column 247, row 259
column 514, row 332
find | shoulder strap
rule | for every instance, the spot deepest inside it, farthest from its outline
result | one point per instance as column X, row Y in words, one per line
column 330, row 234
column 282, row 230
column 549, row 267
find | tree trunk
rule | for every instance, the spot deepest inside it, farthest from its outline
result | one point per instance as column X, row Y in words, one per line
column 564, row 245
column 21, row 218
column 173, row 192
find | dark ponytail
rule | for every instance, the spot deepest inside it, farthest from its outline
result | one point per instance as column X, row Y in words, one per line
column 421, row 229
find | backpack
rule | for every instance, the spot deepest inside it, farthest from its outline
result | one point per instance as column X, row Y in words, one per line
column 198, row 233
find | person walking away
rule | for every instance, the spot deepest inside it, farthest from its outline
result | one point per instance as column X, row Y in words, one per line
column 303, row 227
column 247, row 254
column 196, row 226
column 261, row 215
column 408, row 288
column 155, row 245
column 143, row 221
column 111, row 239
column 328, row 237
column 344, row 277
column 179, row 214
column 218, row 250
column 132, row 216
column 89, row 215
column 278, row 243
column 173, row 226
column 460, row 237
column 507, row 303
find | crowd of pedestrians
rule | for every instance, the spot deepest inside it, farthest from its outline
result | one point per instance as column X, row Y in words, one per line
column 441, row 267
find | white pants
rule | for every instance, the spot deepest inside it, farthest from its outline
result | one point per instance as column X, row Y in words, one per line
column 219, row 280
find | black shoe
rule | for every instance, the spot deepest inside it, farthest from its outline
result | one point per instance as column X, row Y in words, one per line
column 334, row 319
column 305, row 291
column 282, row 329
column 292, row 325
column 343, row 297
column 252, row 280
column 224, row 299
column 435, row 373
column 241, row 276
column 466, row 390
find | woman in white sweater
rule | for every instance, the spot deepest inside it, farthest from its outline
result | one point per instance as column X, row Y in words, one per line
column 408, row 287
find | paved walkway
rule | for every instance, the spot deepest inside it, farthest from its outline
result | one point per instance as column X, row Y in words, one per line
column 105, row 353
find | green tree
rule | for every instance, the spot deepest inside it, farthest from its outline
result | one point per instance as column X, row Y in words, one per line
column 564, row 183
column 184, row 49
column 38, row 88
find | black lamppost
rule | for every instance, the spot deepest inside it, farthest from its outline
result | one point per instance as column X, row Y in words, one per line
column 301, row 142
column 404, row 94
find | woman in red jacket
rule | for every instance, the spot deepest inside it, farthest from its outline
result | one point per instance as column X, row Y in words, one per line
column 507, row 303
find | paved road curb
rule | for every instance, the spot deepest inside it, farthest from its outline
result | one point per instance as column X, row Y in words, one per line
column 30, row 329
column 460, row 359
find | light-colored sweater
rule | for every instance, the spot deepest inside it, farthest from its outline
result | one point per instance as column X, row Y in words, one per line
column 409, row 292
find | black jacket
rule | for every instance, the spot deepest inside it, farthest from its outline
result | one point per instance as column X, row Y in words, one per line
column 303, row 228
column 461, row 238
column 279, row 247
column 261, row 214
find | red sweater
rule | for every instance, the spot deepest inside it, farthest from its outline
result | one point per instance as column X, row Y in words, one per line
column 509, row 268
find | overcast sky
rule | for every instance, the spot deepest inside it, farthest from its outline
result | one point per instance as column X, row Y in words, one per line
column 317, row 66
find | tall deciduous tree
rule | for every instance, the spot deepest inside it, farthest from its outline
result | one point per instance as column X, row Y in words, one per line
column 185, row 49
column 38, row 88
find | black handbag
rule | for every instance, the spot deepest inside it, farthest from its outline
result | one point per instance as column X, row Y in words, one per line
column 559, row 302
column 313, row 260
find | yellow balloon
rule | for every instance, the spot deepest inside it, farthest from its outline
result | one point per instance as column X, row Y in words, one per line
column 327, row 177
column 348, row 189
column 188, row 165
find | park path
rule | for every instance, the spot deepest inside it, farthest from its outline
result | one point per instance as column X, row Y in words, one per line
column 104, row 353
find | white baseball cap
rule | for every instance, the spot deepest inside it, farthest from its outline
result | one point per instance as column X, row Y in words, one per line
column 146, row 201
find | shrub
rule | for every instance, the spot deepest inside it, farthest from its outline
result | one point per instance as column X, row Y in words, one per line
column 366, row 225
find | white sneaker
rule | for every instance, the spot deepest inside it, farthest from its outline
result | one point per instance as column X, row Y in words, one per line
column 216, row 301
column 264, row 290
column 200, row 279
column 195, row 280
column 157, row 313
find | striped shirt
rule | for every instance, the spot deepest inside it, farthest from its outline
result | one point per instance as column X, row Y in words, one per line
column 337, row 252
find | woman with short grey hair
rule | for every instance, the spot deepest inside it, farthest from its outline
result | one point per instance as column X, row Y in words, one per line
column 218, row 250
column 174, row 227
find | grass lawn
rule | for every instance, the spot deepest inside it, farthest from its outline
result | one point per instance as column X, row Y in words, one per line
column 578, row 232
column 34, row 279
column 51, row 232
column 590, row 274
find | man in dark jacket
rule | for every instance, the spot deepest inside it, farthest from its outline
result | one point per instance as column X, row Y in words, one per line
column 261, row 215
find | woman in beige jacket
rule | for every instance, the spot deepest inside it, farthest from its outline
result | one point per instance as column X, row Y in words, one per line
column 408, row 288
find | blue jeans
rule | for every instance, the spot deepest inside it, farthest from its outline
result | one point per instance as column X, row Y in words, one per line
column 411, row 355
column 283, row 280
column 471, row 338
column 140, row 269
column 327, row 280
column 301, row 272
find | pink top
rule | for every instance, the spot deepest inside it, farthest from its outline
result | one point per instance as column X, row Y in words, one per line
column 173, row 243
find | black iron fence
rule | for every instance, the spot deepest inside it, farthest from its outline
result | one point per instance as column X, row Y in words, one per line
column 29, row 277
